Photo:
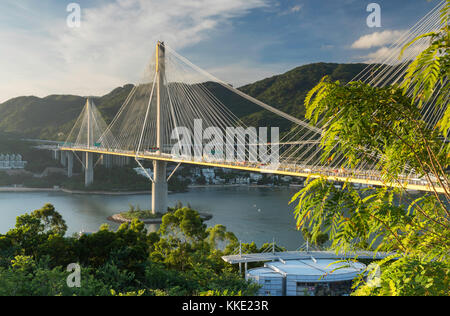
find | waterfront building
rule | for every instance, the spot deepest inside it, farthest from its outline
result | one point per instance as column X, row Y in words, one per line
column 308, row 277
column 13, row 161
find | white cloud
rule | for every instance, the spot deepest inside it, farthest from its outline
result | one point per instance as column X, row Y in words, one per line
column 391, row 55
column 110, row 48
column 381, row 53
column 296, row 8
column 377, row 39
column 384, row 47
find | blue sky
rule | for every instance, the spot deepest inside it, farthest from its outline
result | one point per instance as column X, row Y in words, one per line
column 239, row 41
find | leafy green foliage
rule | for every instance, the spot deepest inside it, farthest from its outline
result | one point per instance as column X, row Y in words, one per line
column 361, row 119
column 410, row 277
column 26, row 277
column 182, row 258
column 33, row 230
column 382, row 126
column 431, row 68
column 319, row 238
column 136, row 213
column 373, row 219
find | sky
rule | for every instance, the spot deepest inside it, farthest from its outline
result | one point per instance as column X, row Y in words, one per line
column 238, row 41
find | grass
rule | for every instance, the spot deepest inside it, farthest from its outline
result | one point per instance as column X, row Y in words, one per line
column 137, row 213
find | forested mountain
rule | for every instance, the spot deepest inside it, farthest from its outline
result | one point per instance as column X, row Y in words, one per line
column 53, row 116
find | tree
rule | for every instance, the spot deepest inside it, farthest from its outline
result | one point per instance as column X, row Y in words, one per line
column 127, row 248
column 182, row 233
column 218, row 235
column 363, row 122
column 410, row 277
column 201, row 180
column 34, row 229
column 319, row 238
column 180, row 259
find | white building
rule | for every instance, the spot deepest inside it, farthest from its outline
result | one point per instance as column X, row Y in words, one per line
column 286, row 178
column 242, row 180
column 209, row 175
column 11, row 161
column 255, row 176
column 305, row 277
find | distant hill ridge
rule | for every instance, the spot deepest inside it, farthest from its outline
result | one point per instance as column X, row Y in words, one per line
column 52, row 117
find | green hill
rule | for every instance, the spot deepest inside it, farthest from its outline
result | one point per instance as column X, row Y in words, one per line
column 52, row 117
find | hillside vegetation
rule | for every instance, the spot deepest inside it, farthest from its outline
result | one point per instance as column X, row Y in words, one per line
column 53, row 116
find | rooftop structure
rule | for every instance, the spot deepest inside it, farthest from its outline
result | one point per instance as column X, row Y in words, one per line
column 302, row 255
column 307, row 277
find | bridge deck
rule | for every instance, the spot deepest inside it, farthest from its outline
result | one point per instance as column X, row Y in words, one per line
column 284, row 169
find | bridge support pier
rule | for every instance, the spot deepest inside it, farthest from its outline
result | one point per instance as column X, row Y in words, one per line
column 89, row 169
column 107, row 161
column 63, row 158
column 83, row 159
column 159, row 187
column 69, row 164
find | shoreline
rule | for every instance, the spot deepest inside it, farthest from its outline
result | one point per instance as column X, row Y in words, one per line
column 200, row 186
column 25, row 189
column 118, row 218
column 197, row 186
column 105, row 192
column 28, row 189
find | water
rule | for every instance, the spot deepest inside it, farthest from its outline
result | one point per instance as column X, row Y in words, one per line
column 253, row 214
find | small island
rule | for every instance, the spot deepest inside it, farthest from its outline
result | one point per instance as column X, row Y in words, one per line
column 147, row 216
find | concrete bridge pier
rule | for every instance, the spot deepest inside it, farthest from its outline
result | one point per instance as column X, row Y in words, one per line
column 107, row 161
column 83, row 159
column 63, row 158
column 159, row 187
column 89, row 169
column 70, row 164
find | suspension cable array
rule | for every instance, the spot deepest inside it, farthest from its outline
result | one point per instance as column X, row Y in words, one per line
column 199, row 119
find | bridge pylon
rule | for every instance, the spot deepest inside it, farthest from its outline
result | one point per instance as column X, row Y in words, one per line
column 159, row 185
column 89, row 166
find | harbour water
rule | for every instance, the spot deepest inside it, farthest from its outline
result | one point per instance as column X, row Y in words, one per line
column 252, row 213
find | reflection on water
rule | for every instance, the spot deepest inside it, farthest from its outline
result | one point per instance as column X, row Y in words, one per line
column 253, row 214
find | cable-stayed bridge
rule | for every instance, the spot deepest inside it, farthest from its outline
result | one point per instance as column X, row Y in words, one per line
column 179, row 113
